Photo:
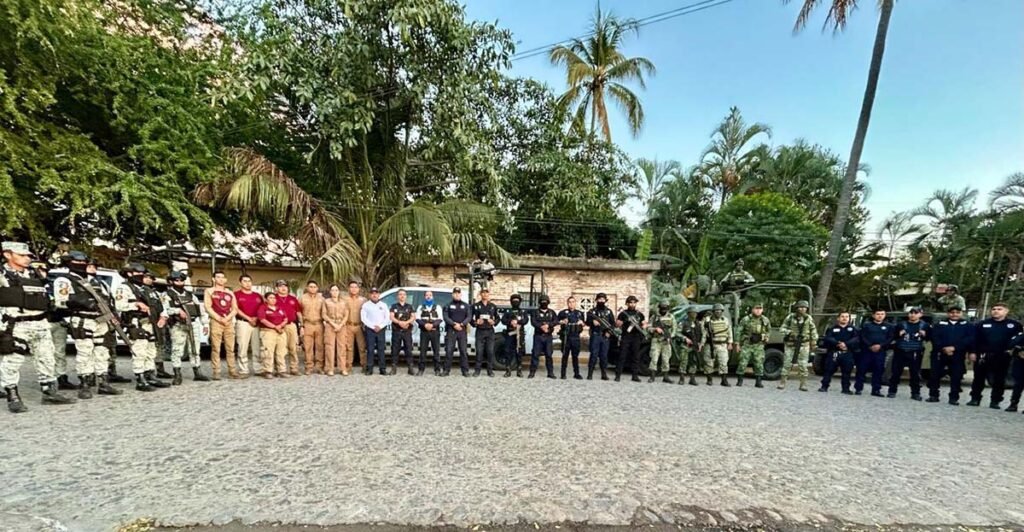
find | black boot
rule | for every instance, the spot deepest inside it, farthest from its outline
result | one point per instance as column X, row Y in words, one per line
column 112, row 375
column 161, row 372
column 667, row 380
column 533, row 371
column 590, row 373
column 177, row 377
column 693, row 380
column 604, row 374
column 1012, row 407
column 153, row 381
column 63, row 383
column 651, row 378
column 142, row 385
column 198, row 376
column 709, row 380
column 490, row 372
column 85, row 392
column 519, row 373
column 508, row 371
column 103, row 387
column 393, row 370
column 476, row 373
column 551, row 375
column 739, row 380
column 419, row 372
column 412, row 371
column 757, row 382
column 636, row 378
column 14, row 403
column 563, row 372
column 52, row 396
column 577, row 376
column 725, row 382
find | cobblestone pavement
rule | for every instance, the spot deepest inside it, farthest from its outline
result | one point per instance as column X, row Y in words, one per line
column 431, row 451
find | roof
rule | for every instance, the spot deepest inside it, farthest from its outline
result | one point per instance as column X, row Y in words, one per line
column 569, row 263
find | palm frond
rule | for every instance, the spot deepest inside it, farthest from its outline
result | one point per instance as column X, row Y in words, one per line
column 629, row 103
column 416, row 229
column 1010, row 195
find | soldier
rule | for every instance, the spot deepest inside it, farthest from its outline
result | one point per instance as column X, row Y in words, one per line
column 1017, row 369
column 991, row 353
column 109, row 339
column 718, row 340
column 311, row 305
column 571, row 320
column 485, row 316
column 662, row 328
column 183, row 310
column 632, row 323
column 85, row 297
column 375, row 318
column 25, row 330
column 543, row 320
column 291, row 307
column 952, row 298
column 402, row 317
column 456, row 320
column 951, row 339
column 140, row 311
column 737, row 278
column 247, row 325
column 428, row 317
column 876, row 337
column 909, row 352
column 841, row 340
column 58, row 320
column 690, row 329
column 599, row 319
column 752, row 335
column 515, row 320
column 221, row 307
column 800, row 334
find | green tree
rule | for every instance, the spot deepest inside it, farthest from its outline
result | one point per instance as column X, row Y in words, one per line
column 597, row 70
column 653, row 177
column 729, row 160
column 838, row 13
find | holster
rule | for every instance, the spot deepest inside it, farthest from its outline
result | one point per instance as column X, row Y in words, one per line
column 9, row 345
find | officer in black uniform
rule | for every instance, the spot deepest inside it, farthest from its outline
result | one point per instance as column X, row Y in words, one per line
column 428, row 317
column 601, row 320
column 485, row 316
column 543, row 320
column 951, row 339
column 1017, row 369
column 515, row 320
column 632, row 323
column 402, row 318
column 909, row 353
column 876, row 338
column 456, row 320
column 991, row 354
column 571, row 320
column 841, row 341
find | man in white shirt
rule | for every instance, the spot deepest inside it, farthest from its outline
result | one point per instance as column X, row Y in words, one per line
column 375, row 316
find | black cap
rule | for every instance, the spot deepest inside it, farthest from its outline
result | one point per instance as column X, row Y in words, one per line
column 663, row 305
column 375, row 290
column 515, row 296
column 456, row 290
column 601, row 295
column 631, row 299
column 954, row 307
column 916, row 310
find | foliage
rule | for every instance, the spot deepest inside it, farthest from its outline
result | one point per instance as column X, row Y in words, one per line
column 653, row 177
column 728, row 160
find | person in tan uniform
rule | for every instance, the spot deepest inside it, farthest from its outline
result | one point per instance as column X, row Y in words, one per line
column 273, row 338
column 222, row 308
column 312, row 305
column 353, row 331
column 335, row 315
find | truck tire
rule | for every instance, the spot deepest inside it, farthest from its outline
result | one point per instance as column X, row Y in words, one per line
column 774, row 361
column 819, row 364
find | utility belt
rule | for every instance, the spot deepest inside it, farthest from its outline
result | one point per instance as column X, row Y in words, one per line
column 756, row 338
column 9, row 345
column 137, row 331
column 573, row 329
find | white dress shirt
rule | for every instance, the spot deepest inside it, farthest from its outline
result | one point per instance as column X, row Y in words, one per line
column 375, row 314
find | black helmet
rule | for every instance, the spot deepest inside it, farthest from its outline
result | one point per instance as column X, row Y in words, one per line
column 631, row 299
column 601, row 295
column 482, row 255
column 74, row 256
column 515, row 297
column 663, row 305
column 176, row 276
column 544, row 299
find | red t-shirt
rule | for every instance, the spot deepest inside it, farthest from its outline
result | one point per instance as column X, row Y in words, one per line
column 290, row 305
column 220, row 300
column 277, row 315
column 248, row 304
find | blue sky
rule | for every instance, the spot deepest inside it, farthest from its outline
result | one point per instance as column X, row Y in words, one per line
column 949, row 111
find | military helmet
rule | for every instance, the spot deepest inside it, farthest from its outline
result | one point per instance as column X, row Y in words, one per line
column 176, row 276
column 691, row 310
column 756, row 304
column 718, row 306
column 739, row 262
column 952, row 288
column 133, row 268
column 514, row 297
column 74, row 256
column 631, row 299
column 802, row 303
column 544, row 299
column 663, row 305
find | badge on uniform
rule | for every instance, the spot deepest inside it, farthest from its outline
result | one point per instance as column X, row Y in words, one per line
column 485, row 316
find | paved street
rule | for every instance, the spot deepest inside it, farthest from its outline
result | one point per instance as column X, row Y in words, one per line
column 430, row 451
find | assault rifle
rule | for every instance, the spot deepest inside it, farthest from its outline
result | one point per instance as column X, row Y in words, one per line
column 608, row 327
column 106, row 313
column 631, row 318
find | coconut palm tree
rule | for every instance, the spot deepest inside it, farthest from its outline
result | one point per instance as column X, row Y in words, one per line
column 729, row 159
column 653, row 176
column 838, row 13
column 597, row 70
column 1010, row 195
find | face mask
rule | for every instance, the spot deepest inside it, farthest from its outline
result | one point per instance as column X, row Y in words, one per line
column 543, row 305
column 663, row 312
column 600, row 304
column 515, row 303
column 429, row 301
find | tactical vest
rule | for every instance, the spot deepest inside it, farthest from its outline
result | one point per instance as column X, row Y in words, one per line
column 665, row 323
column 184, row 300
column 430, row 314
column 27, row 294
column 545, row 316
column 719, row 329
column 575, row 323
column 757, row 328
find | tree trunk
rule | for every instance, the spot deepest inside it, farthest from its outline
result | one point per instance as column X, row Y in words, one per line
column 835, row 245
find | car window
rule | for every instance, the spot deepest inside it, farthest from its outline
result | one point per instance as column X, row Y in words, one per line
column 390, row 299
column 442, row 299
column 414, row 298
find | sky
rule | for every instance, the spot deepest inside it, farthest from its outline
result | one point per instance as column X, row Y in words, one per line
column 949, row 112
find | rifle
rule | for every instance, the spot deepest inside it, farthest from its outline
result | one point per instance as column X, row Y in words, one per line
column 608, row 326
column 799, row 338
column 106, row 313
column 631, row 318
column 191, row 334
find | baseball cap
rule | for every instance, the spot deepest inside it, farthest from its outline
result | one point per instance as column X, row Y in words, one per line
column 375, row 290
column 280, row 282
column 916, row 310
column 18, row 248
column 456, row 290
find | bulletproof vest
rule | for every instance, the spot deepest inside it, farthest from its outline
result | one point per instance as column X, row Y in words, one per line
column 545, row 316
column 402, row 312
column 800, row 328
column 184, row 301
column 484, row 312
column 575, row 325
column 152, row 298
column 719, row 329
column 665, row 323
column 430, row 314
column 757, row 328
column 605, row 314
column 913, row 340
column 24, row 293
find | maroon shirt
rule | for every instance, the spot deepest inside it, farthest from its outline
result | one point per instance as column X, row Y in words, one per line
column 249, row 304
column 220, row 300
column 277, row 315
column 290, row 305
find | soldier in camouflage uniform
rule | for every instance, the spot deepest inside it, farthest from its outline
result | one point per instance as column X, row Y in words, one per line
column 952, row 298
column 718, row 339
column 798, row 328
column 662, row 328
column 752, row 335
column 690, row 330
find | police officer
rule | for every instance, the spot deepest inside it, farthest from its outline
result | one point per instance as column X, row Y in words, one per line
column 690, row 329
column 600, row 319
column 571, row 320
column 842, row 340
column 662, row 329
column 24, row 329
column 543, row 320
column 752, row 335
column 632, row 323
column 485, row 316
column 402, row 318
column 991, row 353
column 133, row 299
column 515, row 319
column 876, row 337
column 88, row 301
column 908, row 352
column 428, row 317
column 951, row 339
column 183, row 309
column 800, row 334
column 1017, row 369
column 718, row 339
column 456, row 320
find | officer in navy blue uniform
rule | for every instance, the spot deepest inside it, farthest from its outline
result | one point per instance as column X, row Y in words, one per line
column 543, row 320
column 909, row 352
column 991, row 354
column 600, row 319
column 515, row 319
column 951, row 339
column 485, row 316
column 456, row 321
column 841, row 340
column 1017, row 369
column 571, row 320
column 876, row 337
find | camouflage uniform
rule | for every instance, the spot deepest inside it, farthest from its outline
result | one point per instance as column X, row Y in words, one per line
column 87, row 329
column 752, row 334
column 795, row 326
column 949, row 301
column 717, row 337
column 690, row 361
column 661, row 344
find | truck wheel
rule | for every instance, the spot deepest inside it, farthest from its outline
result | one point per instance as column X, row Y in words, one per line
column 774, row 361
column 819, row 364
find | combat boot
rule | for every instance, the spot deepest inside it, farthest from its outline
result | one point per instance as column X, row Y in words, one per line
column 590, row 373
column 739, row 380
column 667, row 380
column 490, row 373
column 693, row 380
column 519, row 372
column 177, row 377
column 393, row 370
column 198, row 376
column 53, row 397
column 782, row 381
column 63, row 383
column 150, row 377
column 709, row 380
column 476, row 373
column 604, row 374
column 803, row 384
column 14, row 403
column 577, row 376
column 508, row 371
column 651, row 378
column 112, row 375
column 533, row 372
column 1012, row 407
column 757, row 382
column 85, row 392
column 618, row 376
column 142, row 385
column 161, row 372
column 419, row 372
column 563, row 373
column 636, row 378
column 725, row 382
column 103, row 387
column 411, row 371
column 551, row 375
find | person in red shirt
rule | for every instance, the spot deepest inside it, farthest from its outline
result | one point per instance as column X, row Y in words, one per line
column 247, row 326
column 220, row 305
column 291, row 307
column 273, row 320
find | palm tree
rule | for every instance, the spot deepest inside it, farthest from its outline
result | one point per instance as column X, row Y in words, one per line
column 1010, row 195
column 727, row 160
column 945, row 210
column 596, row 70
column 898, row 227
column 653, row 176
column 838, row 13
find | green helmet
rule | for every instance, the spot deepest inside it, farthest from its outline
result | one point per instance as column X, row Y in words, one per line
column 663, row 305
column 802, row 303
column 718, row 306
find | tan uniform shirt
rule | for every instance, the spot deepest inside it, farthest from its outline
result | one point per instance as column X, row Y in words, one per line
column 355, row 305
column 335, row 312
column 312, row 308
